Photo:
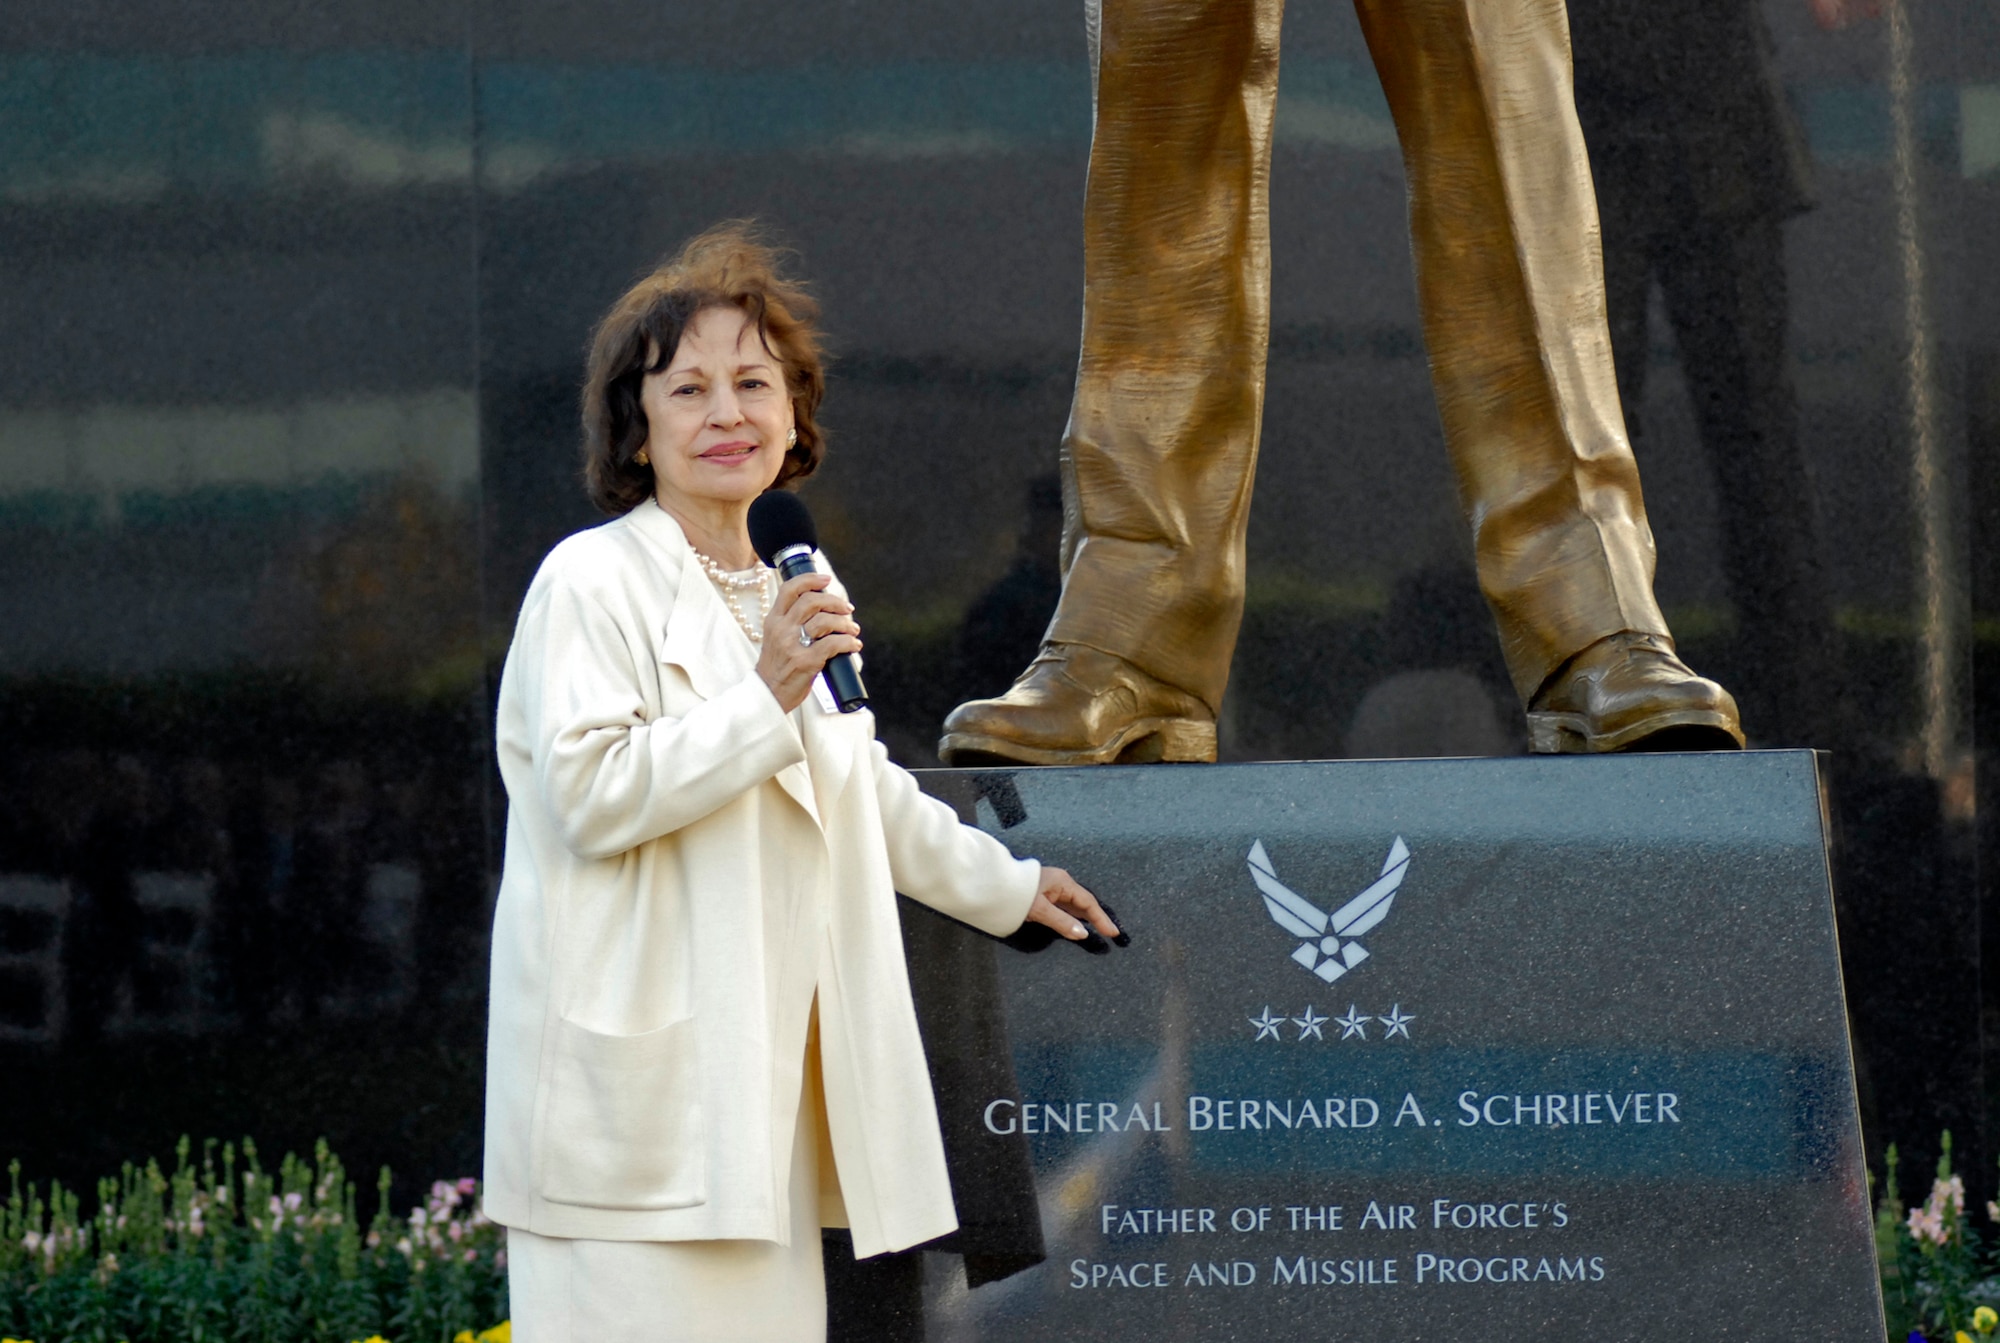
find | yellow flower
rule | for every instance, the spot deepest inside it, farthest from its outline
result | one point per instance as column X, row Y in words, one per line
column 1961, row 1337
column 463, row 1336
column 1985, row 1318
column 502, row 1332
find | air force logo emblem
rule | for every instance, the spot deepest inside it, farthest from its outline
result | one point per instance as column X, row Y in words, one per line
column 1330, row 950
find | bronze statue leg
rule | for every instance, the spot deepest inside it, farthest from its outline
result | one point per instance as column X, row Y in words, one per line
column 1503, row 223
column 1161, row 448
column 1510, row 280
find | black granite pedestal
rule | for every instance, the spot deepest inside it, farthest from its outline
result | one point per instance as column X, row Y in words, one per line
column 1464, row 1049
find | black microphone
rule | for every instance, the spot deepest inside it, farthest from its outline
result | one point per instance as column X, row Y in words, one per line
column 782, row 531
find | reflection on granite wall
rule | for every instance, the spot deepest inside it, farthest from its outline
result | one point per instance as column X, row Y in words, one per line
column 296, row 308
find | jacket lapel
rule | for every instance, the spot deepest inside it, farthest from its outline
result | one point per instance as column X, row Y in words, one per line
column 704, row 641
column 701, row 636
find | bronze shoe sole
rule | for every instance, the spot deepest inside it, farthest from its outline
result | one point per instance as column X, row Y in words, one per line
column 1551, row 733
column 1144, row 741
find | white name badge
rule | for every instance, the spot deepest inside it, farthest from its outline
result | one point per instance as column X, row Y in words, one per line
column 823, row 695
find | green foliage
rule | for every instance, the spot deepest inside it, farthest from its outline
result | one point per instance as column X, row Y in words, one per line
column 224, row 1251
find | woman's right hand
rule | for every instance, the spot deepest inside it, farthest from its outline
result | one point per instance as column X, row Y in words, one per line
column 1063, row 904
column 788, row 665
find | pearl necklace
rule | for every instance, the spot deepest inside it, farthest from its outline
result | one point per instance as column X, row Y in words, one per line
column 736, row 584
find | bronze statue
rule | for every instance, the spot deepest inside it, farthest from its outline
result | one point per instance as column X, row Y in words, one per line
column 1161, row 446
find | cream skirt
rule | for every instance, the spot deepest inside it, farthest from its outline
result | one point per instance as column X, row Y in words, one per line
column 689, row 1291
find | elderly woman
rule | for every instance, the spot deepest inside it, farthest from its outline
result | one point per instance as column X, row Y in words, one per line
column 701, row 1047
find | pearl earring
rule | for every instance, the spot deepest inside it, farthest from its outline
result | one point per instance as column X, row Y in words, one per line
column 792, row 439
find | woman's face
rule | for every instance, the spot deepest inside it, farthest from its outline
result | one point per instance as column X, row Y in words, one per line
column 718, row 416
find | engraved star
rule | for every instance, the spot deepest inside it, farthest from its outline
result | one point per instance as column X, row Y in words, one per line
column 1398, row 1023
column 1353, row 1023
column 1267, row 1025
column 1310, row 1023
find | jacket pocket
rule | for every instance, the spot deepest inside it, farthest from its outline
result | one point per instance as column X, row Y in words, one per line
column 624, row 1122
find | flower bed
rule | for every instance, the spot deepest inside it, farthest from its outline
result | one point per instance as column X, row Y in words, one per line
column 222, row 1249
column 1940, row 1276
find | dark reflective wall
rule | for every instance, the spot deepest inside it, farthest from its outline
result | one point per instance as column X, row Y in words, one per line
column 295, row 305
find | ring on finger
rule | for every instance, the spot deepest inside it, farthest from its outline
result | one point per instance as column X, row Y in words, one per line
column 805, row 639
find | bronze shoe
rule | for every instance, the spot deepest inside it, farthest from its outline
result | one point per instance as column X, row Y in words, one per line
column 1630, row 692
column 1077, row 706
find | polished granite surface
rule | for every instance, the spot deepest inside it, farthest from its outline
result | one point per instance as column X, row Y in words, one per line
column 1446, row 1049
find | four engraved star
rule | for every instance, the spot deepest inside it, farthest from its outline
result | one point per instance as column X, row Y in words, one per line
column 1267, row 1025
column 1312, row 1024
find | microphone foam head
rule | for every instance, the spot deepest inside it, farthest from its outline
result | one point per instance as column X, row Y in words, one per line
column 780, row 520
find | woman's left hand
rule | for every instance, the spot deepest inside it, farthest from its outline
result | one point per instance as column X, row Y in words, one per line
column 1063, row 905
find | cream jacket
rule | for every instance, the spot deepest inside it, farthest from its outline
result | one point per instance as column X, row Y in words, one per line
column 686, row 867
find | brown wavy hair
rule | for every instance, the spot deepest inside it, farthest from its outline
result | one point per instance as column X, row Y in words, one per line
column 729, row 266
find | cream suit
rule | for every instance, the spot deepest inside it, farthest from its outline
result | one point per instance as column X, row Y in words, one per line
column 687, row 867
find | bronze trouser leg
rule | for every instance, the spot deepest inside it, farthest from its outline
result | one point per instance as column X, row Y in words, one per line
column 1504, row 226
column 1162, row 441
column 1161, row 447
